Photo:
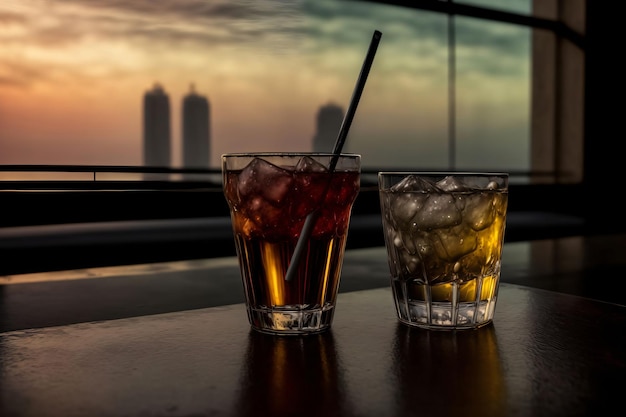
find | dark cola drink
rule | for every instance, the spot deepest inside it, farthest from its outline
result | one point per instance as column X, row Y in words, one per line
column 270, row 197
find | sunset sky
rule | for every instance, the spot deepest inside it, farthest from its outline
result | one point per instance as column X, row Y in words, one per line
column 73, row 74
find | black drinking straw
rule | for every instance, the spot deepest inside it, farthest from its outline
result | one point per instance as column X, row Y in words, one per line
column 309, row 223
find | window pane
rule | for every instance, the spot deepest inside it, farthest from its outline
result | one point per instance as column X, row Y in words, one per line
column 492, row 95
column 74, row 74
column 512, row 6
column 402, row 120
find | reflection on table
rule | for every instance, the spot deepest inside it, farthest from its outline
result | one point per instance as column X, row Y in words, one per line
column 546, row 354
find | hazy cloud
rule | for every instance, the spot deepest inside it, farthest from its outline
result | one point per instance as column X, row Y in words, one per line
column 277, row 26
column 215, row 22
column 8, row 18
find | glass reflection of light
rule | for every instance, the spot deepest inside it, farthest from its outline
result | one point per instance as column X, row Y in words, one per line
column 287, row 376
column 448, row 372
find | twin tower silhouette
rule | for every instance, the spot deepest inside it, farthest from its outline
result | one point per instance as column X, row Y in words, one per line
column 196, row 129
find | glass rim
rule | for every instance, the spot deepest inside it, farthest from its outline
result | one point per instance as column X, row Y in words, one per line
column 445, row 173
column 287, row 154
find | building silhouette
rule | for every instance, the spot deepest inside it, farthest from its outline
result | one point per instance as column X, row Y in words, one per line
column 196, row 130
column 329, row 118
column 156, row 128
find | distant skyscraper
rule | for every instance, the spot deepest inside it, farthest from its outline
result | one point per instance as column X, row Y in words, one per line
column 329, row 118
column 196, row 130
column 156, row 128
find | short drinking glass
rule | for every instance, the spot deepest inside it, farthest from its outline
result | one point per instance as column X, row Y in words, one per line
column 270, row 196
column 444, row 233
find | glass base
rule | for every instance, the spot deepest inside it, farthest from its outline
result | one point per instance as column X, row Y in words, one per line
column 293, row 320
column 445, row 315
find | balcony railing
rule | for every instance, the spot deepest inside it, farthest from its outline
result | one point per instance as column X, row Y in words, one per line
column 115, row 177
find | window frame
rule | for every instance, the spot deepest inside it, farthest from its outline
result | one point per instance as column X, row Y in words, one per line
column 558, row 80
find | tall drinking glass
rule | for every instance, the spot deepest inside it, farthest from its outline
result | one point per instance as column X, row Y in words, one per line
column 444, row 234
column 270, row 196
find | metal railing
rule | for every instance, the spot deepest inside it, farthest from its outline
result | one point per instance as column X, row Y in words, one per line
column 117, row 177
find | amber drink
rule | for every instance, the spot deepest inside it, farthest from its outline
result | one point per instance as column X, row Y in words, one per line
column 270, row 197
column 444, row 234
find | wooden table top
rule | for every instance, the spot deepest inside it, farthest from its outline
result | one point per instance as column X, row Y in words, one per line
column 546, row 354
